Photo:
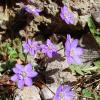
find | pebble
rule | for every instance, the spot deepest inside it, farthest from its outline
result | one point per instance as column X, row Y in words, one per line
column 96, row 16
column 28, row 93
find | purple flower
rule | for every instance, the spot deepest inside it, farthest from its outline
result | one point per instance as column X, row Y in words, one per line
column 67, row 15
column 31, row 47
column 31, row 9
column 49, row 49
column 72, row 52
column 64, row 92
column 23, row 75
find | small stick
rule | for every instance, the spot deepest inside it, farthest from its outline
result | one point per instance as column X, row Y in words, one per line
column 92, row 83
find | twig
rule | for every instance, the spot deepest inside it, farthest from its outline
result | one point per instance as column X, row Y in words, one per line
column 92, row 83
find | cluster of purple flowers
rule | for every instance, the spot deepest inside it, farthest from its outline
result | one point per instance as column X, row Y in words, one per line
column 24, row 74
column 64, row 92
column 32, row 47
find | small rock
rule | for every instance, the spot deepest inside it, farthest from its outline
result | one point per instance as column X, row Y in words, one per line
column 46, row 94
column 96, row 16
column 28, row 93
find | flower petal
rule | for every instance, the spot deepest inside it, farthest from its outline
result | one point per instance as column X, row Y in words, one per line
column 68, row 37
column 20, row 84
column 28, row 68
column 48, row 42
column 68, row 97
column 79, row 51
column 16, row 70
column 28, row 81
column 30, row 41
column 59, row 90
column 67, row 45
column 26, row 47
column 44, row 48
column 37, row 11
column 32, row 9
column 66, row 88
column 20, row 67
column 32, row 51
column 32, row 74
column 67, row 53
column 70, row 60
column 49, row 54
column 26, row 50
column 77, row 59
column 62, row 16
column 57, row 97
column 14, row 78
column 74, row 43
column 20, row 77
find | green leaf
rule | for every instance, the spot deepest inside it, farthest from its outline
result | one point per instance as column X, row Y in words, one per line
column 98, row 33
column 97, row 39
column 7, row 98
column 97, row 97
column 91, row 26
column 12, row 53
column 72, row 68
column 86, row 93
column 93, row 30
column 86, row 70
column 97, row 64
column 76, row 69
column 89, row 68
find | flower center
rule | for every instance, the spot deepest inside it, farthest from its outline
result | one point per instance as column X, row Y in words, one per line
column 65, row 14
column 24, row 74
column 61, row 96
column 71, row 52
column 31, row 46
column 50, row 47
column 31, row 7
